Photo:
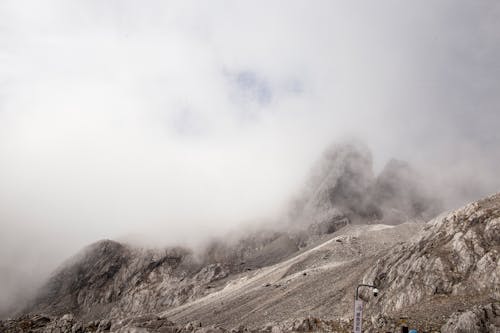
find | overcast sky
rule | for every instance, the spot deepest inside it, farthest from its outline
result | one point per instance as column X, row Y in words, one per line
column 176, row 120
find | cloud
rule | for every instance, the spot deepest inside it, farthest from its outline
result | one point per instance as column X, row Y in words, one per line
column 181, row 119
column 252, row 88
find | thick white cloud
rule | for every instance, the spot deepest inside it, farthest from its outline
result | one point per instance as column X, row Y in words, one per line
column 177, row 120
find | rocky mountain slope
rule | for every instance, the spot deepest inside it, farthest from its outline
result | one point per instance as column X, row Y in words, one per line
column 454, row 264
column 112, row 282
column 442, row 275
column 318, row 281
column 111, row 278
column 445, row 276
column 347, row 227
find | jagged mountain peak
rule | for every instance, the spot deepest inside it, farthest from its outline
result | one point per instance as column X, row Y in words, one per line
column 343, row 183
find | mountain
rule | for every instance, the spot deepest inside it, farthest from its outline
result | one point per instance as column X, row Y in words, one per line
column 443, row 274
column 112, row 281
column 343, row 184
column 349, row 226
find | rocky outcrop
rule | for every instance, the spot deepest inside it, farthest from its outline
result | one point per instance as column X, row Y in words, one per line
column 70, row 324
column 343, row 185
column 109, row 279
column 327, row 227
column 455, row 257
column 478, row 319
column 254, row 250
column 85, row 279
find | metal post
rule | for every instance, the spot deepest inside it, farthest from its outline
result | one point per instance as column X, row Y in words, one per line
column 358, row 309
column 363, row 285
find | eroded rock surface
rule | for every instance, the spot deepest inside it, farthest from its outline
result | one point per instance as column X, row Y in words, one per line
column 452, row 268
column 455, row 255
column 156, row 324
column 478, row 319
column 441, row 274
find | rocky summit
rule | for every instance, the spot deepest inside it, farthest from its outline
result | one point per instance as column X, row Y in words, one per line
column 441, row 275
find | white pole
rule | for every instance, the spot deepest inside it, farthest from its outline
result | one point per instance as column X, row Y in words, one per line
column 358, row 316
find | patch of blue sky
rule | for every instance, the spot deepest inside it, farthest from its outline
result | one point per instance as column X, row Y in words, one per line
column 254, row 87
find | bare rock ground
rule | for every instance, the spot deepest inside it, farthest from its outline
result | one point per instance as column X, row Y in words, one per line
column 453, row 265
column 442, row 275
column 318, row 282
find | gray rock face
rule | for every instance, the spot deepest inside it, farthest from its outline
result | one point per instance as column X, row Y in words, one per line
column 444, row 274
column 328, row 226
column 337, row 186
column 68, row 324
column 89, row 280
column 98, row 290
column 343, row 185
column 479, row 319
column 455, row 256
column 109, row 279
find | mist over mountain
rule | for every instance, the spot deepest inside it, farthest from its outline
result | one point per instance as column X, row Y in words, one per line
column 233, row 136
column 341, row 189
column 343, row 182
column 277, row 278
column 107, row 277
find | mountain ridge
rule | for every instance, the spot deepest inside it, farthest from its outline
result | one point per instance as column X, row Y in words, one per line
column 348, row 226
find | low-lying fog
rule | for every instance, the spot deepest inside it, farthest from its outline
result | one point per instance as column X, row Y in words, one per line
column 169, row 122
